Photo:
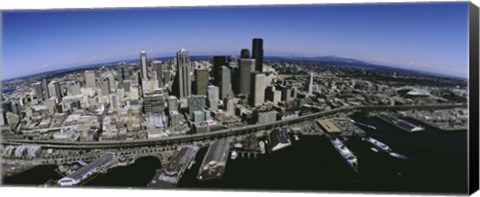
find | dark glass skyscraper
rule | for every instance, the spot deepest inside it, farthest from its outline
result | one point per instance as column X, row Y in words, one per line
column 245, row 53
column 257, row 53
column 218, row 62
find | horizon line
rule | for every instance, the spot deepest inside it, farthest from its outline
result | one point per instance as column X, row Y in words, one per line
column 164, row 55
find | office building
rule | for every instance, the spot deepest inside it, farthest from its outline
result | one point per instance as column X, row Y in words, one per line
column 114, row 101
column 225, row 82
column 310, row 85
column 172, row 102
column 105, row 86
column 112, row 83
column 195, row 103
column 123, row 72
column 45, row 92
column 182, row 84
column 37, row 88
column 201, row 116
column 265, row 116
column 54, row 90
column 257, row 90
column 16, row 106
column 229, row 106
column 218, row 62
column 90, row 79
column 247, row 66
column 212, row 92
column 166, row 77
column 143, row 65
column 201, row 81
column 245, row 54
column 73, row 88
column 257, row 53
column 158, row 66
column 154, row 103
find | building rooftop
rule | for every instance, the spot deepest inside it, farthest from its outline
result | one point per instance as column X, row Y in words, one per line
column 329, row 126
column 105, row 158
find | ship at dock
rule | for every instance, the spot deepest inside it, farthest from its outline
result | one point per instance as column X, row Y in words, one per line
column 380, row 146
column 345, row 153
column 400, row 123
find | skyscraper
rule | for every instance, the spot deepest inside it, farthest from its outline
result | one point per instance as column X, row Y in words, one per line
column 245, row 53
column 247, row 66
column 212, row 96
column 73, row 88
column 105, row 86
column 112, row 82
column 201, row 81
column 90, row 79
column 218, row 62
column 54, row 89
column 257, row 90
column 229, row 106
column 37, row 88
column 310, row 84
column 257, row 53
column 114, row 101
column 183, row 82
column 143, row 64
column 158, row 65
column 195, row 103
column 225, row 82
column 123, row 72
column 46, row 93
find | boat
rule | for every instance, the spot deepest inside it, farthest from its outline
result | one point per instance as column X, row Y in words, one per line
column 363, row 124
column 262, row 147
column 295, row 136
column 346, row 154
column 378, row 145
column 234, row 155
column 399, row 156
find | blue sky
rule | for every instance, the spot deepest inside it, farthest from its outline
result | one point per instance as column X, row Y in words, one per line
column 429, row 37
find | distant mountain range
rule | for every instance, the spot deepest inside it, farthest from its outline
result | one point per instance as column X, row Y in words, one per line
column 341, row 61
column 354, row 63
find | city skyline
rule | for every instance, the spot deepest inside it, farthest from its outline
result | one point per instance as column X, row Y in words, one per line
column 69, row 38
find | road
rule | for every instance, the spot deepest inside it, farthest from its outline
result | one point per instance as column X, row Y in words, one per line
column 225, row 133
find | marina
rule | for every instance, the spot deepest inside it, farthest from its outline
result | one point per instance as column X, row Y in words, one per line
column 375, row 168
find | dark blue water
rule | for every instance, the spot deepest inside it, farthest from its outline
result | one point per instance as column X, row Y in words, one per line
column 7, row 90
column 438, row 165
column 34, row 176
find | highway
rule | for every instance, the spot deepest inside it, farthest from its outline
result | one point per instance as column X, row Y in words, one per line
column 225, row 133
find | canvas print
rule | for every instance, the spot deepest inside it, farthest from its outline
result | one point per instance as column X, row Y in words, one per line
column 348, row 98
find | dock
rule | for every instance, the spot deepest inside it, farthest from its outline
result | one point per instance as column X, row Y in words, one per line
column 400, row 123
column 215, row 161
column 170, row 175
